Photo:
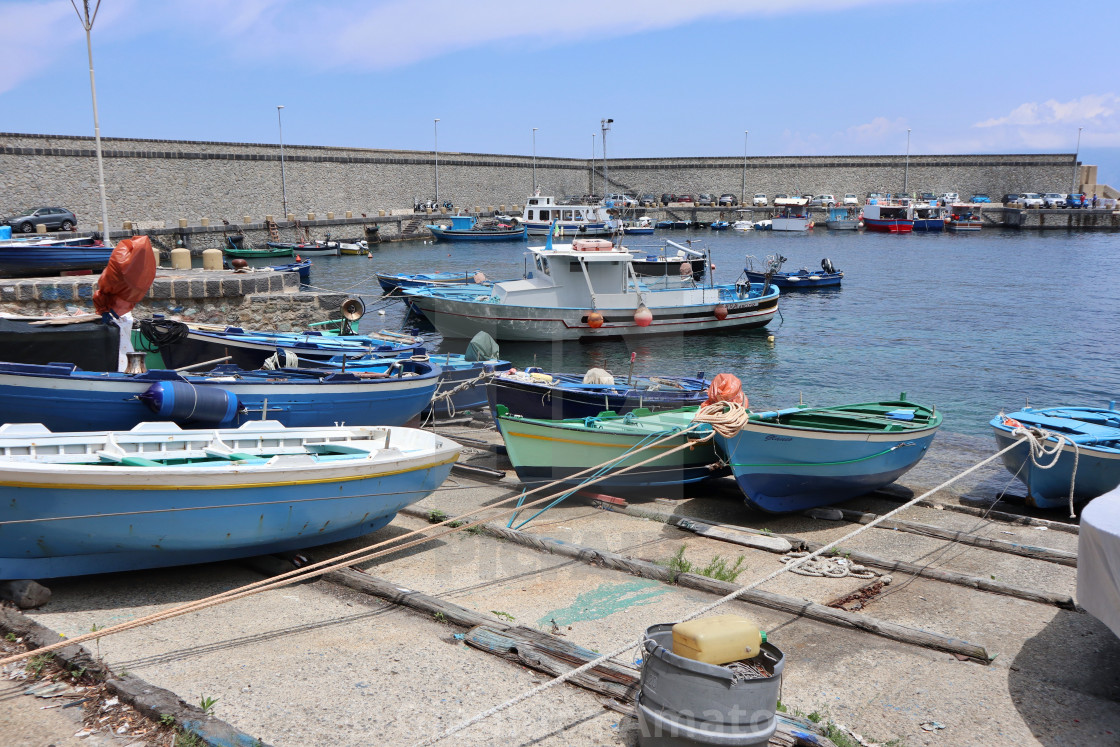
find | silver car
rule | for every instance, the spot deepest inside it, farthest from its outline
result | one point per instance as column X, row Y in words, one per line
column 54, row 218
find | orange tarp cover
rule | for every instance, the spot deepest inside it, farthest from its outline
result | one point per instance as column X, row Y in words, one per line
column 131, row 270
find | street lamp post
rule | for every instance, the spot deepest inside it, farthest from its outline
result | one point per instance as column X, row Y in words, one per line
column 534, row 189
column 87, row 23
column 435, row 127
column 743, row 191
column 1076, row 153
column 283, row 176
column 605, row 126
column 592, row 163
column 906, row 169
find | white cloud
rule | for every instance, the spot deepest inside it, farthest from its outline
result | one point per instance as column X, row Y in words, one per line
column 880, row 135
column 1053, row 125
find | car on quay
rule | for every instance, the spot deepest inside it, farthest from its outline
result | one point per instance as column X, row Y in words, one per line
column 623, row 200
column 705, row 199
column 823, row 201
column 1029, row 200
column 980, row 197
column 1077, row 200
column 647, row 200
column 1054, row 200
column 667, row 197
column 927, row 197
column 850, row 200
column 728, row 200
column 873, row 196
column 686, row 198
column 948, row 198
column 759, row 199
column 54, row 218
column 1010, row 197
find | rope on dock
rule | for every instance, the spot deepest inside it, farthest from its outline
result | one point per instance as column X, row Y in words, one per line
column 705, row 609
column 367, row 553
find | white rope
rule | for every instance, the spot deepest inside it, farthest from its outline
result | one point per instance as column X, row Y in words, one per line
column 1038, row 439
column 703, row 610
column 726, row 418
column 828, row 567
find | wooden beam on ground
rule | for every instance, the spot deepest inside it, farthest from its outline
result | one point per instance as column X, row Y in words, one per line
column 1049, row 554
column 792, row 605
column 759, row 541
column 987, row 513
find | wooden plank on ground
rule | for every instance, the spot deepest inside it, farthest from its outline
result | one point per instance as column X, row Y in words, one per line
column 768, row 542
column 792, row 605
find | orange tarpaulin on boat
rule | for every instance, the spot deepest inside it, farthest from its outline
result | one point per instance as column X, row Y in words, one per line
column 131, row 270
column 726, row 388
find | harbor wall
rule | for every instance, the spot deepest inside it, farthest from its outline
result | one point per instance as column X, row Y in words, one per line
column 257, row 300
column 161, row 181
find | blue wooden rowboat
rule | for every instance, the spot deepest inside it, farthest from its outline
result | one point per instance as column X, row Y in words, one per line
column 303, row 267
column 533, row 393
column 393, row 283
column 1091, row 435
column 249, row 349
column 155, row 495
column 720, row 225
column 26, row 258
column 803, row 279
column 791, row 460
column 466, row 228
column 64, row 397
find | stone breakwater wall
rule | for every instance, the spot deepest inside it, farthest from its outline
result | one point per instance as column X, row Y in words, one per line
column 256, row 300
column 161, row 181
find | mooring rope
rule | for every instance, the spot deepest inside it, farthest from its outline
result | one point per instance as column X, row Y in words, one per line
column 703, row 610
column 1037, row 437
column 356, row 556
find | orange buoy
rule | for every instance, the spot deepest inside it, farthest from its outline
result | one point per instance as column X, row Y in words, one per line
column 594, row 320
column 726, row 388
column 299, row 258
column 686, row 269
column 720, row 312
column 479, row 277
column 643, row 317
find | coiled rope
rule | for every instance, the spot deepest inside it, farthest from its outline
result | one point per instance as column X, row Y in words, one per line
column 1042, row 448
column 163, row 332
column 726, row 418
column 705, row 609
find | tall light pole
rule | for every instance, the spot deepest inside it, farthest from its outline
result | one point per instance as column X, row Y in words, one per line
column 592, row 163
column 283, row 177
column 87, row 23
column 534, row 189
column 605, row 126
column 1073, row 183
column 743, row 191
column 906, row 169
column 435, row 127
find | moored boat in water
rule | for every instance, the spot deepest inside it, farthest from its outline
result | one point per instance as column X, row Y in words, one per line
column 887, row 216
column 842, row 218
column 803, row 278
column 964, row 217
column 929, row 217
column 791, row 214
column 543, row 215
column 41, row 256
column 794, row 459
column 156, row 495
column 1084, row 452
column 467, row 228
column 588, row 290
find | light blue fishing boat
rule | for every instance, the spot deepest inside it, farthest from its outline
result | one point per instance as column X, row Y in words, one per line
column 65, row 398
column 467, row 228
column 155, row 495
column 791, row 460
column 1083, row 438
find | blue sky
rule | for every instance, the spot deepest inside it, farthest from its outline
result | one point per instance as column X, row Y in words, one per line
column 682, row 78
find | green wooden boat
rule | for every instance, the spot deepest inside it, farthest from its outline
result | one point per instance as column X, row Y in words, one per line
column 545, row 450
column 249, row 253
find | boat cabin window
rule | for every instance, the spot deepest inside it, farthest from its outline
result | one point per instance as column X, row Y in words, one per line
column 533, row 201
column 567, row 215
column 542, row 263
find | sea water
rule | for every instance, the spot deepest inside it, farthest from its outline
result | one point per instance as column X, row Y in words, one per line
column 972, row 323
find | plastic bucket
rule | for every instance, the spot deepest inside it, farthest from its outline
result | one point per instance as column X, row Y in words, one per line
column 684, row 702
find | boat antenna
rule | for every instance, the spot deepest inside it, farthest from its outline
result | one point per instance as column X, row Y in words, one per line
column 87, row 23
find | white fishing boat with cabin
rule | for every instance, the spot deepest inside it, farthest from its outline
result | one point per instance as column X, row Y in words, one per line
column 542, row 214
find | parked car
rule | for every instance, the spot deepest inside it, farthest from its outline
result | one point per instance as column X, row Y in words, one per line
column 823, row 200
column 1054, row 200
column 850, row 200
column 759, row 199
column 1029, row 200
column 728, row 200
column 685, row 198
column 647, row 200
column 1077, row 200
column 874, row 196
column 981, row 197
column 705, row 199
column 927, row 197
column 948, row 198
column 623, row 200
column 1010, row 197
column 54, row 218
column 668, row 197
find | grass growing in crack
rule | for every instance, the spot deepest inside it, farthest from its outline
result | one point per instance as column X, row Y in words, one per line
column 839, row 737
column 36, row 664
column 10, row 637
column 503, row 615
column 435, row 516
column 717, row 568
column 207, row 704
column 440, row 617
column 166, row 719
